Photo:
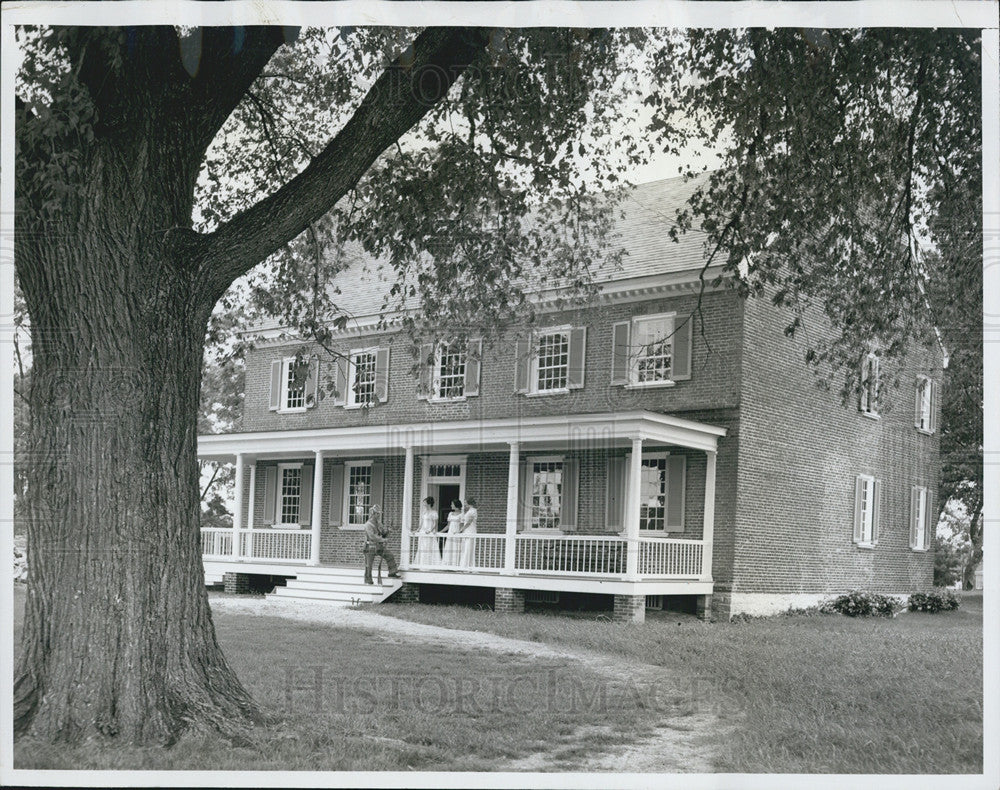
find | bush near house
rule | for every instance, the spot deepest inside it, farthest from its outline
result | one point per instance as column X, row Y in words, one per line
column 938, row 600
column 863, row 604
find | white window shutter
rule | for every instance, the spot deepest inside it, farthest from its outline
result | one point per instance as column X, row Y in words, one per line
column 382, row 375
column 930, row 526
column 336, row 514
column 340, row 383
column 276, row 383
column 312, row 382
column 934, row 402
column 522, row 366
column 306, row 496
column 270, row 493
column 615, row 494
column 570, row 487
column 681, row 365
column 859, row 493
column 876, row 509
column 918, row 403
column 676, row 483
column 577, row 357
column 473, row 365
column 426, row 367
column 620, row 352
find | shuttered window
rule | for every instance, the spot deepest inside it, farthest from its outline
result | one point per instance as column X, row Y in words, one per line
column 294, row 383
column 869, row 385
column 359, row 494
column 553, row 361
column 867, row 504
column 361, row 387
column 651, row 350
column 289, row 496
column 923, row 418
column 920, row 527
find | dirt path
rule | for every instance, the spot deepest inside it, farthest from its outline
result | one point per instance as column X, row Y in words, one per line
column 684, row 742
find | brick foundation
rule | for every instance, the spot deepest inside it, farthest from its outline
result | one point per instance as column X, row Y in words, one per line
column 236, row 583
column 722, row 605
column 408, row 593
column 508, row 601
column 629, row 609
column 703, row 607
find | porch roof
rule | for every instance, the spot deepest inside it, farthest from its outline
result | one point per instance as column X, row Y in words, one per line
column 581, row 431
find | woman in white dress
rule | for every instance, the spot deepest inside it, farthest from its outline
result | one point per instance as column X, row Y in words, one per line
column 467, row 557
column 452, row 548
column 427, row 541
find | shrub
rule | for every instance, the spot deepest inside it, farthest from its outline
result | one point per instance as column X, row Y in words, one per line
column 937, row 600
column 862, row 604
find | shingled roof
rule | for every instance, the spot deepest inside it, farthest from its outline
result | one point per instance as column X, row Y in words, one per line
column 648, row 214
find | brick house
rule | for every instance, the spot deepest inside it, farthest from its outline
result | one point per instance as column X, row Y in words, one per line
column 617, row 448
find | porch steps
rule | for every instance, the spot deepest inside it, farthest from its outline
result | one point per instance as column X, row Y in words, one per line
column 343, row 586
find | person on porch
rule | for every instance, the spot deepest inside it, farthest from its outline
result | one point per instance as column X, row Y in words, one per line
column 428, row 549
column 452, row 543
column 468, row 524
column 375, row 534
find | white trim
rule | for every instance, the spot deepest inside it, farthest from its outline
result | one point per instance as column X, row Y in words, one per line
column 869, row 500
column 432, row 397
column 869, row 391
column 526, row 527
column 921, row 538
column 349, row 402
column 536, row 334
column 426, row 461
column 922, row 378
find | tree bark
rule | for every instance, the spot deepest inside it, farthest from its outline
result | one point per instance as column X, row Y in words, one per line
column 118, row 637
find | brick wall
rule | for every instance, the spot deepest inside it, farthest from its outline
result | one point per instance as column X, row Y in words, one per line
column 800, row 449
column 714, row 380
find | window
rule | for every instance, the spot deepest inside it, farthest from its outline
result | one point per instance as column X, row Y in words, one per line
column 359, row 494
column 546, row 494
column 919, row 519
column 290, row 495
column 653, row 493
column 361, row 388
column 924, row 417
column 867, row 496
column 870, row 385
column 652, row 349
column 551, row 361
column 293, row 384
column 449, row 372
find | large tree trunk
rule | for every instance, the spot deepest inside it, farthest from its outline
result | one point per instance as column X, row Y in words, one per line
column 118, row 637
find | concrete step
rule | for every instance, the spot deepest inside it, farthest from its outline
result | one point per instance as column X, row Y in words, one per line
column 343, row 589
column 351, row 587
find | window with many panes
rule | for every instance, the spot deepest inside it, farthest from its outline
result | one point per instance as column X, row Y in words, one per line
column 924, row 404
column 361, row 388
column 294, row 373
column 290, row 498
column 652, row 349
column 653, row 493
column 546, row 494
column 866, row 509
column 869, row 384
column 919, row 527
column 449, row 371
column 359, row 494
column 551, row 362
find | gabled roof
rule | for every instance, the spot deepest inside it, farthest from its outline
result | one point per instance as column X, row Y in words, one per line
column 643, row 230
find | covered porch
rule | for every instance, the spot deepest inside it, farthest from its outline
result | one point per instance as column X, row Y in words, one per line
column 571, row 502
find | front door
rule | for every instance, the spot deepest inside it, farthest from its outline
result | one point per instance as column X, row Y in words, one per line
column 446, row 493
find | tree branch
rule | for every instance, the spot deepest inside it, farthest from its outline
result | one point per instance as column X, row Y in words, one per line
column 401, row 96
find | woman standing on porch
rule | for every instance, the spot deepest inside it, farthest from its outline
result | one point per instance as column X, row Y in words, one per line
column 452, row 543
column 469, row 518
column 427, row 542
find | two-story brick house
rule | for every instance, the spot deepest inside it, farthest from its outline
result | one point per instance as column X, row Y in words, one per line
column 630, row 447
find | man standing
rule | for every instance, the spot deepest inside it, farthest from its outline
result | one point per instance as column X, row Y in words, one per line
column 375, row 535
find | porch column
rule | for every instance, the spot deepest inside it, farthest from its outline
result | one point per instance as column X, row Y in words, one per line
column 238, row 506
column 708, row 529
column 632, row 512
column 407, row 518
column 510, row 541
column 250, row 500
column 317, row 508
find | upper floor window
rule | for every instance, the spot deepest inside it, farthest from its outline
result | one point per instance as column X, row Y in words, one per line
column 867, row 496
column 870, row 384
column 361, row 388
column 924, row 409
column 362, row 378
column 552, row 361
column 293, row 383
column 920, row 528
column 651, row 350
column 449, row 372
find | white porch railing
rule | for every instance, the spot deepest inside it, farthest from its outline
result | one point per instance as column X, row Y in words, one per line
column 486, row 554
column 563, row 555
column 217, row 542
column 670, row 557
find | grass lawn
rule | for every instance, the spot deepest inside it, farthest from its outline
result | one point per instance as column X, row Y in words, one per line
column 810, row 694
column 349, row 699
